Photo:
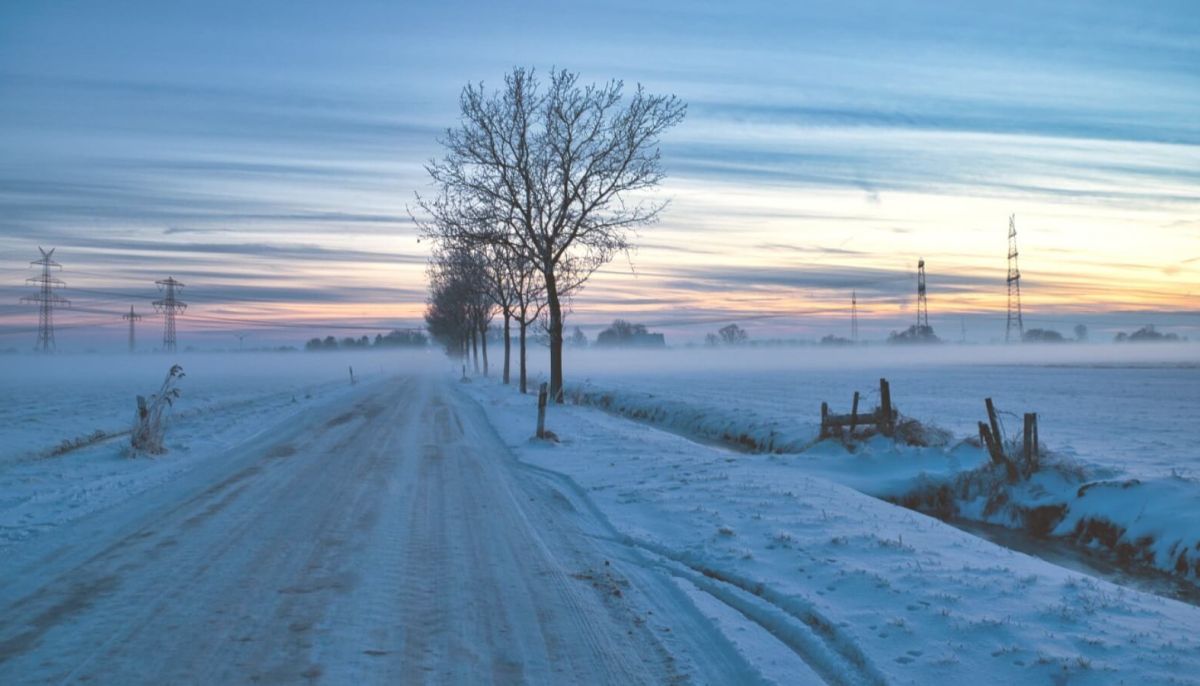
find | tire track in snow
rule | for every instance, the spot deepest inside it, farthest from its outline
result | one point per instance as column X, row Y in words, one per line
column 832, row 654
column 697, row 642
column 400, row 545
column 244, row 539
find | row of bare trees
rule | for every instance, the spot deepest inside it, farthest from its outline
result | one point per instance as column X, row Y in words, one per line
column 468, row 287
column 538, row 187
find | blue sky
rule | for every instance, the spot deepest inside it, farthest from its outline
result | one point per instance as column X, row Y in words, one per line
column 266, row 154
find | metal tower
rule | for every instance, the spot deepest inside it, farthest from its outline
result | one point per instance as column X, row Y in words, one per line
column 1014, row 285
column 854, row 316
column 922, row 304
column 132, row 317
column 169, row 306
column 46, row 299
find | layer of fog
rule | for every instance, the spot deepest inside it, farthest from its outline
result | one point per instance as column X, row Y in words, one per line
column 57, row 373
column 799, row 358
column 33, row 373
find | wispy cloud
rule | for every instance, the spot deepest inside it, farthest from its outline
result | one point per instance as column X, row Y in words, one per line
column 822, row 152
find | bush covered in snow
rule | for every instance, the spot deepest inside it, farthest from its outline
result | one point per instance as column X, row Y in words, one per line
column 151, row 423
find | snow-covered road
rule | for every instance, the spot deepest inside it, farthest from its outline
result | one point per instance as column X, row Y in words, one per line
column 388, row 538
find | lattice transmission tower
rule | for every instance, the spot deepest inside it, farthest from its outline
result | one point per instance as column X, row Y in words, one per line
column 854, row 316
column 132, row 317
column 1014, row 285
column 922, row 303
column 46, row 299
column 169, row 305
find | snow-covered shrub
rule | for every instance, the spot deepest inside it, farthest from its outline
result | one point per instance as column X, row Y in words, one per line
column 151, row 422
column 909, row 431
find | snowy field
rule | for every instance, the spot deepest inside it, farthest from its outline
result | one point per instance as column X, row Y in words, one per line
column 1131, row 410
column 786, row 565
column 1117, row 422
column 226, row 400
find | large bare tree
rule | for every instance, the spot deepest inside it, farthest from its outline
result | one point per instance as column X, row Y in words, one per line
column 558, row 175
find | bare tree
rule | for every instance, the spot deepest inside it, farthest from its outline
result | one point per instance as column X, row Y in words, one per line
column 530, row 293
column 460, row 303
column 446, row 313
column 472, row 266
column 732, row 334
column 500, row 268
column 555, row 175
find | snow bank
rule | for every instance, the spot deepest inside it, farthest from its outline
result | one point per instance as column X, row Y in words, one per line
column 1154, row 522
column 734, row 426
column 861, row 589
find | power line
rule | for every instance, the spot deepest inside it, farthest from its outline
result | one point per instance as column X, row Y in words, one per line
column 169, row 306
column 922, row 303
column 1014, row 284
column 46, row 299
column 132, row 317
column 854, row 316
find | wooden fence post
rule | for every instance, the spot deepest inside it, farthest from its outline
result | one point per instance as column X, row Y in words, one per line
column 854, row 413
column 887, row 423
column 994, row 423
column 1036, row 456
column 996, row 451
column 1031, row 442
column 824, row 421
column 541, row 426
column 352, row 381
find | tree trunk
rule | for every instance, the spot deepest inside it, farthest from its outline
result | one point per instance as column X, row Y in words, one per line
column 483, row 342
column 556, row 337
column 507, row 347
column 523, row 327
column 475, row 348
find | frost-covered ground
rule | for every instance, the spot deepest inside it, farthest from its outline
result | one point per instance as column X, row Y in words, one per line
column 798, row 568
column 805, row 575
column 380, row 535
column 1119, row 422
column 226, row 399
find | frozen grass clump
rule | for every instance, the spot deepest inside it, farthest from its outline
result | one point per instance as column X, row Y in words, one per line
column 151, row 424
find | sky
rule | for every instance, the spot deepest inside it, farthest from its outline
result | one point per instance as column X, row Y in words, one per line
column 266, row 154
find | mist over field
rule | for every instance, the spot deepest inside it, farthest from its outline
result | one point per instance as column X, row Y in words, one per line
column 763, row 358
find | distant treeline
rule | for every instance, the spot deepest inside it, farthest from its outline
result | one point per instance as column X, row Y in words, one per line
column 394, row 339
column 1147, row 334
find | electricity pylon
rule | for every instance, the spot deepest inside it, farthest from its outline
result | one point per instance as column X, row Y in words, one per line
column 169, row 306
column 132, row 317
column 1014, row 285
column 922, row 303
column 854, row 316
column 46, row 299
